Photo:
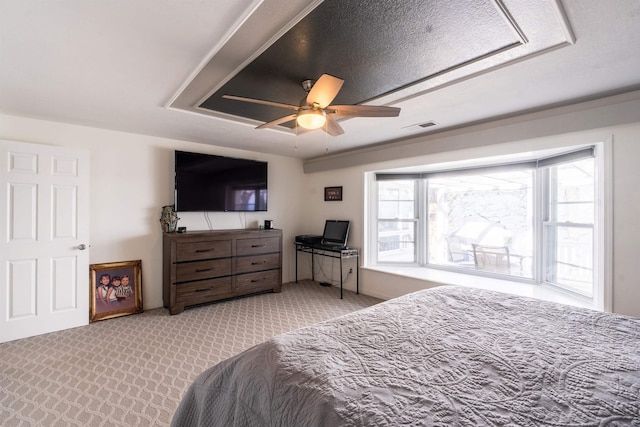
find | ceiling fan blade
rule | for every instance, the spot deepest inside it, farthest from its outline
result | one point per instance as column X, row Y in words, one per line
column 260, row 101
column 277, row 122
column 332, row 127
column 324, row 90
column 362, row 111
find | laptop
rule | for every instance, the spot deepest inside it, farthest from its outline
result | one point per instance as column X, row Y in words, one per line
column 336, row 233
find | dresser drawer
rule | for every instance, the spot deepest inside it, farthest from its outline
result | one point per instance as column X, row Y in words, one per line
column 257, row 263
column 203, row 269
column 191, row 251
column 262, row 280
column 203, row 291
column 257, row 246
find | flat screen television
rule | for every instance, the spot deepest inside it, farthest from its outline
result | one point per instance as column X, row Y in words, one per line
column 209, row 183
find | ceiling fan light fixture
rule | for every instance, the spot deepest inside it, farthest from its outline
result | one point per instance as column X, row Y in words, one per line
column 315, row 110
column 311, row 119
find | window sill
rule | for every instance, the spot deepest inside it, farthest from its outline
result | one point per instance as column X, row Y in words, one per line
column 541, row 292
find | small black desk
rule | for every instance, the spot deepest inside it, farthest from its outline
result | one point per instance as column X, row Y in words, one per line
column 330, row 252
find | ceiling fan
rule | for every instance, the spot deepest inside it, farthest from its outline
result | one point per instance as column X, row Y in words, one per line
column 315, row 111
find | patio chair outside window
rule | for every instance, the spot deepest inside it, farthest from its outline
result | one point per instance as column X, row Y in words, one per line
column 492, row 258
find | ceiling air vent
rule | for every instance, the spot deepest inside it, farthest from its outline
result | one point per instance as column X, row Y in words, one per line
column 427, row 124
column 420, row 126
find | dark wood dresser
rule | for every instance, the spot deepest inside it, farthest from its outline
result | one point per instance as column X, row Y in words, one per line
column 205, row 266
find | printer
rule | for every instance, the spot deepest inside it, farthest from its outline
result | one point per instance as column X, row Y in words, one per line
column 308, row 239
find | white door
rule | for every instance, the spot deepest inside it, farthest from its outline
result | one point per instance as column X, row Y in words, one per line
column 44, row 239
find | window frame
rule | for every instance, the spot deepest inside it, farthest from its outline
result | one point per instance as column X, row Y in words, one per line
column 550, row 225
column 415, row 220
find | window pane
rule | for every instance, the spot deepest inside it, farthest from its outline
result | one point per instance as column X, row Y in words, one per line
column 570, row 248
column 572, row 192
column 493, row 211
column 396, row 241
column 396, row 199
column 397, row 221
column 570, row 257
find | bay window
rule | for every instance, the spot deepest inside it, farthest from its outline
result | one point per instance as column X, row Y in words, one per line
column 529, row 221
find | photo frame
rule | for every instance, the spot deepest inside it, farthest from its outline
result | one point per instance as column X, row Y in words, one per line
column 332, row 194
column 116, row 289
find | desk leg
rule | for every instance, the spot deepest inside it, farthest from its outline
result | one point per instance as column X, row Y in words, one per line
column 313, row 268
column 340, row 276
column 297, row 264
column 357, row 274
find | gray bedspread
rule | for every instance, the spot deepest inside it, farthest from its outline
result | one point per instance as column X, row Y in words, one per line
column 447, row 356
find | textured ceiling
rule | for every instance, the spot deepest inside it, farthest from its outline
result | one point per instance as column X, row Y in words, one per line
column 376, row 47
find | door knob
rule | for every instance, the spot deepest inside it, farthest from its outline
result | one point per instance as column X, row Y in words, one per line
column 82, row 246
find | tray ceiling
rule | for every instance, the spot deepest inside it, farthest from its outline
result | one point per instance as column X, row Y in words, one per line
column 386, row 51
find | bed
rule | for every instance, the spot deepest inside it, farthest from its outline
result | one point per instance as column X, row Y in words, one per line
column 447, row 356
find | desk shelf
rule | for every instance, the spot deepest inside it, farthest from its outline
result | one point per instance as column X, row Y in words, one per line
column 338, row 253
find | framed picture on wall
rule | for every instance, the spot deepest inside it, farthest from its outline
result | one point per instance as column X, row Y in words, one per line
column 116, row 289
column 332, row 194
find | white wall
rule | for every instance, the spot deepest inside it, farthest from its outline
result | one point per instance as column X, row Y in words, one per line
column 316, row 211
column 132, row 178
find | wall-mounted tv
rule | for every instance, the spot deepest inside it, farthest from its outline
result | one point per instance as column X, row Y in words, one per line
column 209, row 183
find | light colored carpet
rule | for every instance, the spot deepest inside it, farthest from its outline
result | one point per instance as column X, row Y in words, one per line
column 133, row 370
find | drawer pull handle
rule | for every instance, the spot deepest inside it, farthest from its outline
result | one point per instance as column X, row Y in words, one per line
column 264, row 245
column 204, row 289
column 204, row 250
column 200, row 270
column 258, row 262
column 258, row 280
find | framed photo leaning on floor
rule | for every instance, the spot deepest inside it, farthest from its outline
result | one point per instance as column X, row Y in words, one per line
column 116, row 289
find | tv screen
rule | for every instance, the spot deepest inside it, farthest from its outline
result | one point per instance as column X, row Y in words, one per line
column 205, row 182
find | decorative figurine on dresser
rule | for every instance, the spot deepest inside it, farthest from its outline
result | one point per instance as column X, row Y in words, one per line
column 169, row 219
column 205, row 266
